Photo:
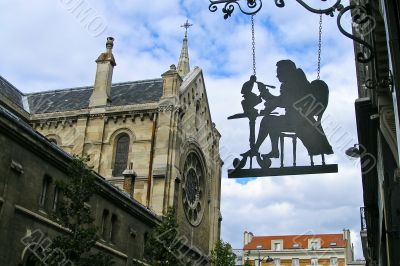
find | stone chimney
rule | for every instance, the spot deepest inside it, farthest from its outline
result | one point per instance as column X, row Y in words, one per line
column 172, row 82
column 247, row 237
column 349, row 246
column 346, row 234
column 101, row 95
column 129, row 179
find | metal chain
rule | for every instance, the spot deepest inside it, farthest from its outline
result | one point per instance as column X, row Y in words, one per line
column 319, row 47
column 253, row 43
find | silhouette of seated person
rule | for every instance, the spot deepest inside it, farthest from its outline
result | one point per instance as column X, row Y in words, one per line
column 250, row 99
column 298, row 118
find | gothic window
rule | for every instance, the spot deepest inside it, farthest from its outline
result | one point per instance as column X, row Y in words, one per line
column 197, row 118
column 114, row 227
column 45, row 190
column 121, row 154
column 55, row 199
column 104, row 221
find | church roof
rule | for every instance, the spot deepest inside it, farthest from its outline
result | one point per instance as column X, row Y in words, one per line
column 126, row 93
column 10, row 92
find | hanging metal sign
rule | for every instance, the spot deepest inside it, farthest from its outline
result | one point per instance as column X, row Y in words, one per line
column 304, row 103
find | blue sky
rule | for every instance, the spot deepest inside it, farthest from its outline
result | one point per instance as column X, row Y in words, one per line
column 46, row 47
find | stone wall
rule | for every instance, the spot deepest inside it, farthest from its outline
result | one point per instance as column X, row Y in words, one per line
column 26, row 160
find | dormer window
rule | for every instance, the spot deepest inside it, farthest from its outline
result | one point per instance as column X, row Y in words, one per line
column 276, row 245
column 314, row 244
column 296, row 245
column 259, row 247
column 333, row 244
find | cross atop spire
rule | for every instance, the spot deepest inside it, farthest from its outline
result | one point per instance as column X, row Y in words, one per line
column 186, row 26
column 183, row 64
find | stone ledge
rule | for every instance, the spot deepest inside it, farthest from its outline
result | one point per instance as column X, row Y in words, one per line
column 66, row 230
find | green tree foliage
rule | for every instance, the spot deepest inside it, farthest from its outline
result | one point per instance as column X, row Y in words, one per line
column 74, row 214
column 161, row 249
column 222, row 255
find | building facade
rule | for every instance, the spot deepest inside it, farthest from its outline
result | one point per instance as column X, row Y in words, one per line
column 377, row 112
column 30, row 167
column 152, row 139
column 299, row 250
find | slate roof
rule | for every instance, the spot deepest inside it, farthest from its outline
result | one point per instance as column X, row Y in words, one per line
column 10, row 92
column 126, row 93
column 302, row 240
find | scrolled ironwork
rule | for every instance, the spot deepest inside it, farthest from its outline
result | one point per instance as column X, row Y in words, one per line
column 327, row 11
column 280, row 3
column 360, row 19
column 253, row 6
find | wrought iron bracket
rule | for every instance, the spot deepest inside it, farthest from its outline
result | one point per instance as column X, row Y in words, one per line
column 384, row 83
column 251, row 8
column 360, row 16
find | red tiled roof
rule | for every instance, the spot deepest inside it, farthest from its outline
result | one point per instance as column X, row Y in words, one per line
column 302, row 240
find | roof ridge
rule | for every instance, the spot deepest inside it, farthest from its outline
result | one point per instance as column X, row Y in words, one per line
column 329, row 234
column 59, row 90
column 91, row 87
column 9, row 83
column 137, row 81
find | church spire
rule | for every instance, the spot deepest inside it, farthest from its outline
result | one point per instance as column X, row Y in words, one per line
column 183, row 64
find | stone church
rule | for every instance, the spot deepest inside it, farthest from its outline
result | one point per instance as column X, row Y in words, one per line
column 153, row 139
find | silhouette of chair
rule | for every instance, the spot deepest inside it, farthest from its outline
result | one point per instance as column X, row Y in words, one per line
column 320, row 91
column 282, row 137
column 293, row 136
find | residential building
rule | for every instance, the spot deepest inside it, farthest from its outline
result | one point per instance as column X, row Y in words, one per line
column 299, row 250
column 239, row 257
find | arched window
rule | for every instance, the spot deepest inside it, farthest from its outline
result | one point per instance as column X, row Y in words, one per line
column 121, row 154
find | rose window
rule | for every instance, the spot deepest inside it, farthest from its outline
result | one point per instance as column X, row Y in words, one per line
column 193, row 188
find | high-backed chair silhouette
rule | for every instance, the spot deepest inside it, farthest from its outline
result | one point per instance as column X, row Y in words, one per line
column 319, row 93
